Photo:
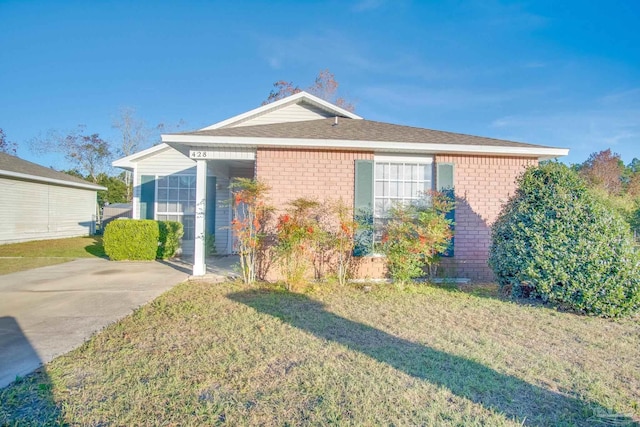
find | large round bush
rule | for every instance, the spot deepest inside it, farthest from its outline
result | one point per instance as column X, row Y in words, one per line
column 553, row 240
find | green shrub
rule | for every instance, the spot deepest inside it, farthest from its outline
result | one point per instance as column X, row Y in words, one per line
column 170, row 233
column 555, row 241
column 415, row 234
column 210, row 244
column 131, row 239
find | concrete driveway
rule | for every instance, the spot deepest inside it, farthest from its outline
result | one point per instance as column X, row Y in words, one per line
column 49, row 311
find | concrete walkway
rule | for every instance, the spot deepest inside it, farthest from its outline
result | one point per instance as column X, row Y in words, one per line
column 49, row 311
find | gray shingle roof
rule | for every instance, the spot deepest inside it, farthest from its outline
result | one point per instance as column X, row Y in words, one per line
column 9, row 163
column 357, row 130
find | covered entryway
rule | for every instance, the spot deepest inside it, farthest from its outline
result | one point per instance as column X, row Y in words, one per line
column 182, row 181
column 225, row 164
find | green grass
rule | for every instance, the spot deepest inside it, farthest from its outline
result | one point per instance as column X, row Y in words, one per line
column 217, row 354
column 27, row 255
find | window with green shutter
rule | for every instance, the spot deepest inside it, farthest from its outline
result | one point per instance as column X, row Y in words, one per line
column 389, row 180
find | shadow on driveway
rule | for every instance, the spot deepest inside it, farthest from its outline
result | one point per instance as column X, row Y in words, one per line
column 29, row 400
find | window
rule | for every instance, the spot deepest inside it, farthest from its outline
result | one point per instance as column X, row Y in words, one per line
column 399, row 180
column 176, row 201
column 399, row 183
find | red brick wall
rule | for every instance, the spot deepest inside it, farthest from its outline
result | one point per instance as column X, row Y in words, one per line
column 315, row 174
column 482, row 184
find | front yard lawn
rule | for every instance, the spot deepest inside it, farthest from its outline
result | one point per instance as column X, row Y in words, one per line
column 27, row 255
column 206, row 354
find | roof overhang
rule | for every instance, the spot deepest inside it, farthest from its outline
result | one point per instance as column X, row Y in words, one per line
column 541, row 153
column 61, row 182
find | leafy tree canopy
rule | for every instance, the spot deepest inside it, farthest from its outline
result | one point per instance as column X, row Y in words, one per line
column 87, row 153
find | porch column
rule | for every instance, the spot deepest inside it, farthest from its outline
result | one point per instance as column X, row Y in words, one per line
column 199, row 265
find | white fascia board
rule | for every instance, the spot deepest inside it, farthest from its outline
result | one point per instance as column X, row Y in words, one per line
column 404, row 158
column 128, row 162
column 403, row 147
column 35, row 178
column 284, row 102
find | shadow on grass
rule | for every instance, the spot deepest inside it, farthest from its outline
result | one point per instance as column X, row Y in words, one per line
column 481, row 290
column 513, row 397
column 27, row 400
column 493, row 291
column 96, row 248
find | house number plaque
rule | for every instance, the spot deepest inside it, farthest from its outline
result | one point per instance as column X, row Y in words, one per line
column 193, row 154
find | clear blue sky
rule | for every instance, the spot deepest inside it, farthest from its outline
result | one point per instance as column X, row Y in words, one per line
column 560, row 73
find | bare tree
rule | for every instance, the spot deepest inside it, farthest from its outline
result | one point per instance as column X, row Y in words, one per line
column 170, row 128
column 134, row 132
column 6, row 146
column 88, row 153
column 325, row 86
column 282, row 90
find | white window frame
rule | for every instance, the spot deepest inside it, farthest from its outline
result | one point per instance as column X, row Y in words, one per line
column 157, row 199
column 402, row 160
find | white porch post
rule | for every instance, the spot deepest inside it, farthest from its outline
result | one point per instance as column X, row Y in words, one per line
column 199, row 265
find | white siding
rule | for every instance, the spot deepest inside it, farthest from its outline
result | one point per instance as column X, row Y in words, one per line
column 290, row 113
column 38, row 211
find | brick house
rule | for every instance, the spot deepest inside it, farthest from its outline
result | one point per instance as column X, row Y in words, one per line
column 303, row 146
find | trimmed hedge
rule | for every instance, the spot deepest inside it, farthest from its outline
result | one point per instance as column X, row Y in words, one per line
column 555, row 241
column 170, row 234
column 131, row 239
column 142, row 239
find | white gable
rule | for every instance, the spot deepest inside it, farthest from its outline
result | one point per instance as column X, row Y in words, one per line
column 299, row 107
column 290, row 113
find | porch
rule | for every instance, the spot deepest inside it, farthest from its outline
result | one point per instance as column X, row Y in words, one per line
column 212, row 181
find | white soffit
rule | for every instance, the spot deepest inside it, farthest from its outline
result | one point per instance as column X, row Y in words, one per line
column 403, row 158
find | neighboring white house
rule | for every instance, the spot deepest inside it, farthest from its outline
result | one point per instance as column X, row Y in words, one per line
column 38, row 203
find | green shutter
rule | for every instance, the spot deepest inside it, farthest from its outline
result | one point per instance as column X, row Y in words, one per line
column 445, row 184
column 147, row 196
column 363, row 207
column 210, row 220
